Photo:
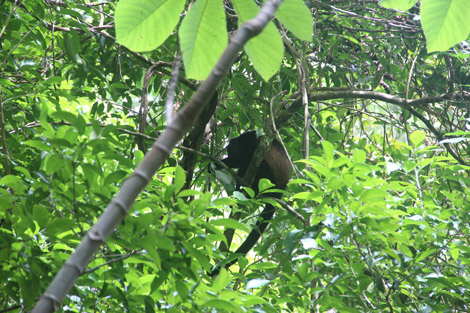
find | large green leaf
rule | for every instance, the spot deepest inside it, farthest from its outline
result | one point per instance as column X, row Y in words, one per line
column 224, row 305
column 143, row 25
column 295, row 15
column 266, row 49
column 203, row 37
column 445, row 22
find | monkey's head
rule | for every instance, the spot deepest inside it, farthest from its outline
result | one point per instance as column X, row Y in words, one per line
column 240, row 150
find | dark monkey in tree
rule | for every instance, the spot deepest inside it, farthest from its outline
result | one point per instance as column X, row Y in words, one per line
column 275, row 167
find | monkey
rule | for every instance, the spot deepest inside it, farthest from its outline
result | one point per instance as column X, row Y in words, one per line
column 275, row 167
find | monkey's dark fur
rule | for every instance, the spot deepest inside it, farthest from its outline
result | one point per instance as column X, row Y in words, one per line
column 275, row 167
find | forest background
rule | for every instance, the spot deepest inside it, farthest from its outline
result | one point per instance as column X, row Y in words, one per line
column 375, row 120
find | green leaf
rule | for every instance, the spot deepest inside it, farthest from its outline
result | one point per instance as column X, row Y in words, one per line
column 391, row 253
column 417, row 137
column 180, row 178
column 241, row 196
column 91, row 172
column 454, row 251
column 28, row 292
column 328, row 151
column 53, row 80
column 169, row 192
column 23, row 170
column 62, row 247
column 143, row 25
column 223, row 201
column 43, row 117
column 222, row 305
column 359, row 156
column 189, row 193
column 221, row 281
column 115, row 177
column 14, row 182
column 149, row 304
column 266, row 50
column 379, row 284
column 80, row 124
column 230, row 223
column 64, row 115
column 59, row 226
column 340, row 162
column 264, row 266
column 148, row 243
column 182, row 290
column 224, row 177
column 6, row 203
column 264, row 184
column 199, row 255
column 164, row 242
column 54, row 163
column 72, row 44
column 296, row 17
column 60, row 143
column 162, row 276
column 292, row 239
column 334, row 183
column 445, row 23
column 371, row 195
column 424, row 255
column 41, row 215
column 203, row 37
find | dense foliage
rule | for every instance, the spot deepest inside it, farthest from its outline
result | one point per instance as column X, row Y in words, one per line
column 374, row 220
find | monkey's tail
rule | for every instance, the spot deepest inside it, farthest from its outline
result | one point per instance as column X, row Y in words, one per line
column 261, row 225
